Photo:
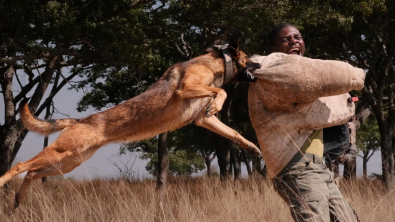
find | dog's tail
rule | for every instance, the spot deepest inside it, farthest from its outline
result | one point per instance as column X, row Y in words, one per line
column 44, row 127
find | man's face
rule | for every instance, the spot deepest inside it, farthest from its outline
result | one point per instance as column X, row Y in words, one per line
column 289, row 41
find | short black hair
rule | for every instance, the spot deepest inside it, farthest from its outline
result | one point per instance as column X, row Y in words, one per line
column 274, row 32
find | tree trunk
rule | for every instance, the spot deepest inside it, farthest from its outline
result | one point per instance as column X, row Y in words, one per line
column 208, row 165
column 10, row 130
column 163, row 170
column 47, row 115
column 258, row 168
column 387, row 159
column 235, row 158
column 223, row 156
column 163, row 164
column 13, row 132
column 44, row 179
column 364, row 165
column 223, row 145
column 10, row 142
column 246, row 161
column 350, row 170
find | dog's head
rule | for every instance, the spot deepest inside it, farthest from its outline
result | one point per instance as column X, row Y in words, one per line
column 243, row 63
column 241, row 66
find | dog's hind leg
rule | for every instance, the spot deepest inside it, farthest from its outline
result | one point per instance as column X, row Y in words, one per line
column 19, row 168
column 42, row 166
column 52, row 159
column 213, row 124
column 30, row 176
column 40, row 160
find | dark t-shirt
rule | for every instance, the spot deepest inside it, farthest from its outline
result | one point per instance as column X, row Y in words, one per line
column 336, row 140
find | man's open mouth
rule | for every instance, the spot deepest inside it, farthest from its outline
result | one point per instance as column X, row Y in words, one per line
column 294, row 51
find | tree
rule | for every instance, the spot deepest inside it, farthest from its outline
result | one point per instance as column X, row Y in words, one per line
column 120, row 48
column 182, row 162
column 40, row 38
column 182, row 29
column 368, row 140
column 197, row 141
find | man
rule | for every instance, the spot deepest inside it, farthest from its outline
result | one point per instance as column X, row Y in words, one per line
column 289, row 124
column 339, row 147
column 351, row 153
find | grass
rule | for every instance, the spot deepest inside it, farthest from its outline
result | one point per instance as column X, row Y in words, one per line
column 196, row 199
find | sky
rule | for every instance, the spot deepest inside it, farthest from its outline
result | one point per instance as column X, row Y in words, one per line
column 103, row 163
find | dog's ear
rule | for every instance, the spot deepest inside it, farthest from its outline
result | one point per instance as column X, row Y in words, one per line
column 234, row 48
column 209, row 49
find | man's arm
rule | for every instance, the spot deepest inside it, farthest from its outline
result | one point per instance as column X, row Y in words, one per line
column 287, row 80
column 350, row 154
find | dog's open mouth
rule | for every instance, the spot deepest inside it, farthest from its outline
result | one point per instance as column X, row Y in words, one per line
column 247, row 76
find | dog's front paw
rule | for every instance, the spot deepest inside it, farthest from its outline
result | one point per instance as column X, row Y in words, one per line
column 212, row 110
column 253, row 150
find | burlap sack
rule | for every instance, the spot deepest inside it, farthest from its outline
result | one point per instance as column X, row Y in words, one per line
column 295, row 95
column 288, row 79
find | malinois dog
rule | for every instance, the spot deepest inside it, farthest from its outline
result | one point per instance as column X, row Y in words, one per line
column 188, row 91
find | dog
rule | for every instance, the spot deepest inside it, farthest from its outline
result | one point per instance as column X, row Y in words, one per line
column 188, row 91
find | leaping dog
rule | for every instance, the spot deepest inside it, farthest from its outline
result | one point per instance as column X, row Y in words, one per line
column 188, row 91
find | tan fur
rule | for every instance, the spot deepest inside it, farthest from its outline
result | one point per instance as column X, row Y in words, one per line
column 44, row 127
column 181, row 95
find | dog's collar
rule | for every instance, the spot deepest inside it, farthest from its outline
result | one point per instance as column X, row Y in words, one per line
column 228, row 74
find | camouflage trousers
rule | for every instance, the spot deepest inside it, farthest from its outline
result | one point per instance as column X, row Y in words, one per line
column 310, row 192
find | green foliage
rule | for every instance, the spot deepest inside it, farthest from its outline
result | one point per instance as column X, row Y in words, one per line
column 120, row 52
column 181, row 163
column 368, row 135
column 341, row 30
column 183, row 158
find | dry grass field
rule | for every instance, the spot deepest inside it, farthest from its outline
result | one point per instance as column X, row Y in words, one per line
column 187, row 200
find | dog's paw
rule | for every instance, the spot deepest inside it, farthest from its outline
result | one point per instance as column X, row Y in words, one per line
column 253, row 150
column 212, row 110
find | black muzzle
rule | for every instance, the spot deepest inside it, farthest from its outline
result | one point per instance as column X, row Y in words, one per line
column 247, row 75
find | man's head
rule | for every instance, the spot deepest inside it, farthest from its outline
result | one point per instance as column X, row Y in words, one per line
column 286, row 38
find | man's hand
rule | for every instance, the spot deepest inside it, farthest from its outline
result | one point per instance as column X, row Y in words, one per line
column 341, row 158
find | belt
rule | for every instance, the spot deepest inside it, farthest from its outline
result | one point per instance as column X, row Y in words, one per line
column 306, row 157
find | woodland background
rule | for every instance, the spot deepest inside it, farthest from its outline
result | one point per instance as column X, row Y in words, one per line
column 114, row 50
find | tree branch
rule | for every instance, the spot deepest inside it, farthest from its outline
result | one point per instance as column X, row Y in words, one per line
column 376, row 35
column 370, row 155
column 129, row 7
column 355, row 51
column 41, row 53
column 55, row 90
column 213, row 157
column 43, row 85
column 18, row 80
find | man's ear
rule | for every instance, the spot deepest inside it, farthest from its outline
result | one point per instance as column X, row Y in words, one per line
column 234, row 47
